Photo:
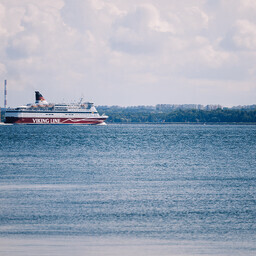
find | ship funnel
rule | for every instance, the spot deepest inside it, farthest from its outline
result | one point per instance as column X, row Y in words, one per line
column 40, row 99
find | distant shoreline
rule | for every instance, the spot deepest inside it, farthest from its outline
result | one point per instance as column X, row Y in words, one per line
column 218, row 116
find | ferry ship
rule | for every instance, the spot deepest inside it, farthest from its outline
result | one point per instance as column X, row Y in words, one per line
column 43, row 112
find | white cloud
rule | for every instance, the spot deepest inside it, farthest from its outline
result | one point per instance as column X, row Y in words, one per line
column 140, row 31
column 2, row 70
column 23, row 47
column 147, row 16
column 189, row 20
column 129, row 52
column 245, row 36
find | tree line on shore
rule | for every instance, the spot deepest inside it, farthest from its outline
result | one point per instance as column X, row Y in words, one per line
column 128, row 115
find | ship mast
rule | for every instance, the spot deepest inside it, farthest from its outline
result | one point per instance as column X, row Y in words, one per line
column 5, row 99
column 5, row 94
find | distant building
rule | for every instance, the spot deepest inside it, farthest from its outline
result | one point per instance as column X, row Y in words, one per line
column 213, row 107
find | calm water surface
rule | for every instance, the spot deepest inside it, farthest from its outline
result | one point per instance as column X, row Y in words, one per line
column 128, row 190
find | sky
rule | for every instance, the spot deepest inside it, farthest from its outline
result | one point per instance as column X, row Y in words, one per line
column 129, row 52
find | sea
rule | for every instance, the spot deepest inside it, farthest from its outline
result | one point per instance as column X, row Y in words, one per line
column 127, row 189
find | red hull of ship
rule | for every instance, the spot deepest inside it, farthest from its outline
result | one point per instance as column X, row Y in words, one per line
column 14, row 120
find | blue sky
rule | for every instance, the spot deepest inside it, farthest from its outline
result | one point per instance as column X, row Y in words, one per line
column 120, row 52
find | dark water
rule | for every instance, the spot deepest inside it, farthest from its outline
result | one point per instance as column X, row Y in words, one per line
column 135, row 189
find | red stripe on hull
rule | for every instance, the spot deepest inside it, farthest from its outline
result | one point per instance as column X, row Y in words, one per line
column 14, row 120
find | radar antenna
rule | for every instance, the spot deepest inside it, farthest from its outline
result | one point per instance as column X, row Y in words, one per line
column 81, row 99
